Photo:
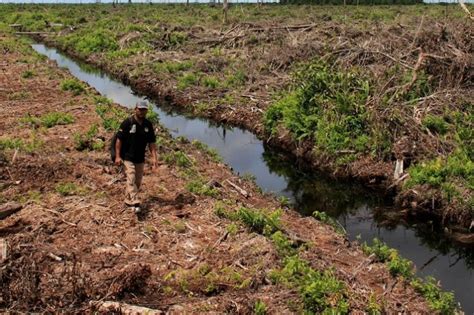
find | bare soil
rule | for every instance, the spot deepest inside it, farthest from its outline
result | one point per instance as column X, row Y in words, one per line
column 71, row 252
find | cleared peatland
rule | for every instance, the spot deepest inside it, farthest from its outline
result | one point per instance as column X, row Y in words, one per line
column 200, row 246
column 349, row 90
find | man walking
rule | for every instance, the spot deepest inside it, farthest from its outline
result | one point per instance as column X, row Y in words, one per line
column 132, row 138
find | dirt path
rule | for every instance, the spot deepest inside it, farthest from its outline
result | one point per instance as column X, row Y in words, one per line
column 74, row 244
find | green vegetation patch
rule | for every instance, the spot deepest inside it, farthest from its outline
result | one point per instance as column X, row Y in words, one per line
column 327, row 106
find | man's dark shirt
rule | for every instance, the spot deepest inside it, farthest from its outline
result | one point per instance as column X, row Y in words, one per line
column 134, row 139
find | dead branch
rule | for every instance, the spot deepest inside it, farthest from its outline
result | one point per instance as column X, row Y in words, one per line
column 464, row 7
column 242, row 191
column 60, row 215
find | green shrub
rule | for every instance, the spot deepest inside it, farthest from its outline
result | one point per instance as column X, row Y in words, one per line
column 73, row 85
column 326, row 105
column 177, row 38
column 152, row 115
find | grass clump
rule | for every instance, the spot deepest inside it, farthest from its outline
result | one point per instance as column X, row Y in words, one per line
column 52, row 119
column 172, row 67
column 256, row 220
column 260, row 308
column 11, row 143
column 73, row 85
column 29, row 146
column 210, row 82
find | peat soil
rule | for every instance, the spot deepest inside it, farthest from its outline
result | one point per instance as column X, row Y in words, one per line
column 74, row 246
column 267, row 52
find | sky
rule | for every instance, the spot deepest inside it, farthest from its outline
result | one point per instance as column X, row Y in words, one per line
column 175, row 1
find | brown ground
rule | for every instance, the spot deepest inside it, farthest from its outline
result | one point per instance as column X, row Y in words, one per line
column 66, row 251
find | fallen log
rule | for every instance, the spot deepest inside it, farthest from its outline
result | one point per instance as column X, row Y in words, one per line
column 8, row 209
column 123, row 308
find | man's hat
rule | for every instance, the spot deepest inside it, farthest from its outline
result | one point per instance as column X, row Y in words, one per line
column 142, row 104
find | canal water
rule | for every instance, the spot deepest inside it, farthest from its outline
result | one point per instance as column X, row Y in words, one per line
column 356, row 208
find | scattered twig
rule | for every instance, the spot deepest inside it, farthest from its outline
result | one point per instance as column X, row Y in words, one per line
column 60, row 215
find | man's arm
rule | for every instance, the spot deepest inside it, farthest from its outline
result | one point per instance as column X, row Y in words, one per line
column 118, row 148
column 153, row 155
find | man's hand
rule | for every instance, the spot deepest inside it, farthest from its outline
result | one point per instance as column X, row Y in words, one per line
column 153, row 164
column 118, row 161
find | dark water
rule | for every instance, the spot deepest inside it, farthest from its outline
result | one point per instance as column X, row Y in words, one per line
column 354, row 207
